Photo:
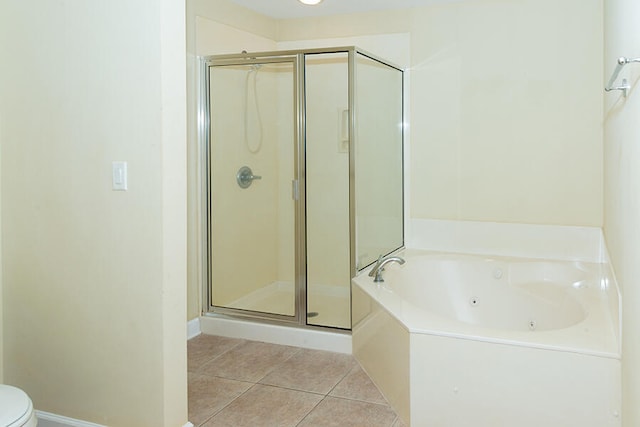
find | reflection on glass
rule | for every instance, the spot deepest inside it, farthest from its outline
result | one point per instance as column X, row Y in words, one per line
column 378, row 160
column 252, row 212
column 327, row 190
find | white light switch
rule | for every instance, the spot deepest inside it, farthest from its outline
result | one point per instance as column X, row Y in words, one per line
column 119, row 176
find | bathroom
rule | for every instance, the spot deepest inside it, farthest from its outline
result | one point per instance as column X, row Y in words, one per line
column 522, row 132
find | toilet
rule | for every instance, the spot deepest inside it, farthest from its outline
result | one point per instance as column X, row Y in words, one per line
column 16, row 409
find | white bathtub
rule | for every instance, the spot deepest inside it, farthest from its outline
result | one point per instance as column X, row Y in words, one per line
column 461, row 340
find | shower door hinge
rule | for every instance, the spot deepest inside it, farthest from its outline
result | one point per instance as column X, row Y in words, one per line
column 295, row 192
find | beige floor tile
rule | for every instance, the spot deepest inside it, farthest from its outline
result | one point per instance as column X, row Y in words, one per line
column 204, row 348
column 311, row 370
column 293, row 383
column 334, row 412
column 266, row 406
column 249, row 361
column 207, row 395
column 358, row 386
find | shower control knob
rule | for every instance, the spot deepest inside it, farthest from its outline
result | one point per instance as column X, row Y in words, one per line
column 245, row 177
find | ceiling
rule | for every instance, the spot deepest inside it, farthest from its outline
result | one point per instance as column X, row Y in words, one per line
column 286, row 9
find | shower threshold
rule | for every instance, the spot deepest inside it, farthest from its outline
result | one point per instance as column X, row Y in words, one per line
column 329, row 305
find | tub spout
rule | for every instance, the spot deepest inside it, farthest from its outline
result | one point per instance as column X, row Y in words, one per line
column 376, row 271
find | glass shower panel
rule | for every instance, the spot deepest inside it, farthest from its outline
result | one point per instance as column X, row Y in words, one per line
column 252, row 221
column 378, row 159
column 327, row 190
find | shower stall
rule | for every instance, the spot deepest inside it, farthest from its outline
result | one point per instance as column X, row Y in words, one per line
column 302, row 155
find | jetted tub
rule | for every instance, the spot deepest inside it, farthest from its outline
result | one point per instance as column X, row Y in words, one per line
column 463, row 340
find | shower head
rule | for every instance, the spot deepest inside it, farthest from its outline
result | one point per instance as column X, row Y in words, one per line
column 254, row 67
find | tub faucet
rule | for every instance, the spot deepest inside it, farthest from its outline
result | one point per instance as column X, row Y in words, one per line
column 377, row 269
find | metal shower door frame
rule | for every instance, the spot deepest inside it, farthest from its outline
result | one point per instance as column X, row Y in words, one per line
column 204, row 137
column 204, row 127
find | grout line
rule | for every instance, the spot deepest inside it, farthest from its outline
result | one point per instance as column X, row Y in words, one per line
column 231, row 401
column 293, row 389
column 279, row 364
column 398, row 419
column 344, row 376
column 362, row 401
column 202, row 365
column 356, row 367
column 312, row 409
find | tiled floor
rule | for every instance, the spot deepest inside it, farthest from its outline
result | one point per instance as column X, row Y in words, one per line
column 236, row 383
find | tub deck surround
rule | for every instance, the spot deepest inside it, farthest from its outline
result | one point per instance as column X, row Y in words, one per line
column 473, row 340
column 557, row 242
column 557, row 305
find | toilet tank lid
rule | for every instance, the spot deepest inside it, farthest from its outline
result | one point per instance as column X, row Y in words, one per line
column 14, row 404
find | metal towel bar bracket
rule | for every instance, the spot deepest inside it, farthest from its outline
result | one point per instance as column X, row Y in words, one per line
column 622, row 61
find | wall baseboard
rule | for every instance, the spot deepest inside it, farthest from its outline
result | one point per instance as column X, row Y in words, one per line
column 46, row 419
column 193, row 328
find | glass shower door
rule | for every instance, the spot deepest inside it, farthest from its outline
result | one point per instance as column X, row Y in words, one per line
column 378, row 159
column 327, row 190
column 252, row 166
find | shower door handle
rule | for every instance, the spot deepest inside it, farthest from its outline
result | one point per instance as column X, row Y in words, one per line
column 295, row 190
column 245, row 177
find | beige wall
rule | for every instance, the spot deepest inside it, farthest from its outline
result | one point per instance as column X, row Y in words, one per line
column 506, row 112
column 498, row 115
column 173, row 293
column 224, row 11
column 622, row 178
column 1, row 297
column 94, row 280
